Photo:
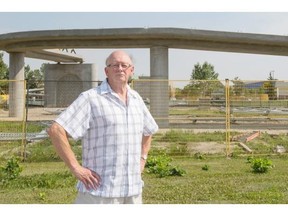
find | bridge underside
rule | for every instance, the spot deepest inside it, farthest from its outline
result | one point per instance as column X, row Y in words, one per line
column 55, row 55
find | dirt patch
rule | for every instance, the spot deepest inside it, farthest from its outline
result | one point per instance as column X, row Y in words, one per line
column 40, row 114
column 207, row 147
column 33, row 114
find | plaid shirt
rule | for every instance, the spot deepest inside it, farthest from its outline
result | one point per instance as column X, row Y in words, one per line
column 111, row 134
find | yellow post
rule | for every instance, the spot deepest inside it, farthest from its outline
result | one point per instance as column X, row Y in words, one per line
column 24, row 124
column 227, row 99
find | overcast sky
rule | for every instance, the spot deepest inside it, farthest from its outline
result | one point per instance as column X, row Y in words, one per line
column 181, row 62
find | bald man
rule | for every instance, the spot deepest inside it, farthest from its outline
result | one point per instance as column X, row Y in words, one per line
column 116, row 130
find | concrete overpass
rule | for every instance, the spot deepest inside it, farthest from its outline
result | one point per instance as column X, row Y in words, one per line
column 29, row 44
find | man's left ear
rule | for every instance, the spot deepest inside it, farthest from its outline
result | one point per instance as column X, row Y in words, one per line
column 106, row 71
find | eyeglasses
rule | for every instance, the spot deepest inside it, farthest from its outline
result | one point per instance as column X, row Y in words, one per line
column 124, row 66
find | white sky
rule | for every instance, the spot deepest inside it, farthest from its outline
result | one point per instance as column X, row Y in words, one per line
column 247, row 18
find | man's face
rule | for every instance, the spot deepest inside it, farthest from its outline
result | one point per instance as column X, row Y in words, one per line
column 119, row 68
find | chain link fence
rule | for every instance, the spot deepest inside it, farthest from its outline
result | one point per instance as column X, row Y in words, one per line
column 12, row 116
column 205, row 103
column 245, row 107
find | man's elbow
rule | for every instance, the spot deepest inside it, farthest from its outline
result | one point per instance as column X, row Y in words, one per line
column 53, row 129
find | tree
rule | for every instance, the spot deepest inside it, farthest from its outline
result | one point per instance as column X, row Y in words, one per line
column 4, row 72
column 198, row 81
column 271, row 76
column 270, row 87
column 34, row 77
column 4, row 75
column 204, row 72
column 238, row 86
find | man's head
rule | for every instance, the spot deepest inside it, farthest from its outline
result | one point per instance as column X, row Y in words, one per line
column 119, row 66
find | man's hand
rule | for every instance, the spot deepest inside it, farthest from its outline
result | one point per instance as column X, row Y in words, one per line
column 89, row 178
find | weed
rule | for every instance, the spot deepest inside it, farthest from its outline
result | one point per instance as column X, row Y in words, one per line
column 11, row 171
column 260, row 165
column 199, row 156
column 42, row 196
column 160, row 165
column 205, row 167
column 179, row 149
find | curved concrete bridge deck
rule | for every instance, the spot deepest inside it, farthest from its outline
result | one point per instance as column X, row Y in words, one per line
column 33, row 43
column 145, row 38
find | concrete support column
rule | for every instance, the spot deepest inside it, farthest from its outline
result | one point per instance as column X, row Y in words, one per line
column 94, row 76
column 159, row 92
column 17, row 87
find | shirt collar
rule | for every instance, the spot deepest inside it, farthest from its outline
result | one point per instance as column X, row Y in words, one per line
column 105, row 88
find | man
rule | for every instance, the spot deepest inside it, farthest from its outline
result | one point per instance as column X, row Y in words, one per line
column 116, row 129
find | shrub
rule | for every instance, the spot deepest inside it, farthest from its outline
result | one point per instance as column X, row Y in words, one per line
column 160, row 165
column 11, row 171
column 260, row 165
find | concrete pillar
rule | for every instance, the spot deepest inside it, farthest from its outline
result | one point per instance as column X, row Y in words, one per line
column 94, row 76
column 159, row 87
column 17, row 87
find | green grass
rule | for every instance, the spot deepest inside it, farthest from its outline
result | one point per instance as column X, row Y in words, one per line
column 17, row 127
column 187, row 136
column 227, row 181
column 45, row 178
column 11, row 127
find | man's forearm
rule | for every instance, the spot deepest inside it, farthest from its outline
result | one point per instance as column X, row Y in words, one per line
column 146, row 145
column 60, row 141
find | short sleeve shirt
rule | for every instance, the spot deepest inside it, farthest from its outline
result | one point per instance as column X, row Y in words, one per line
column 111, row 133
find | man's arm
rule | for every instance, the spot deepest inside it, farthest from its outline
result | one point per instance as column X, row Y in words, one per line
column 146, row 144
column 62, row 146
